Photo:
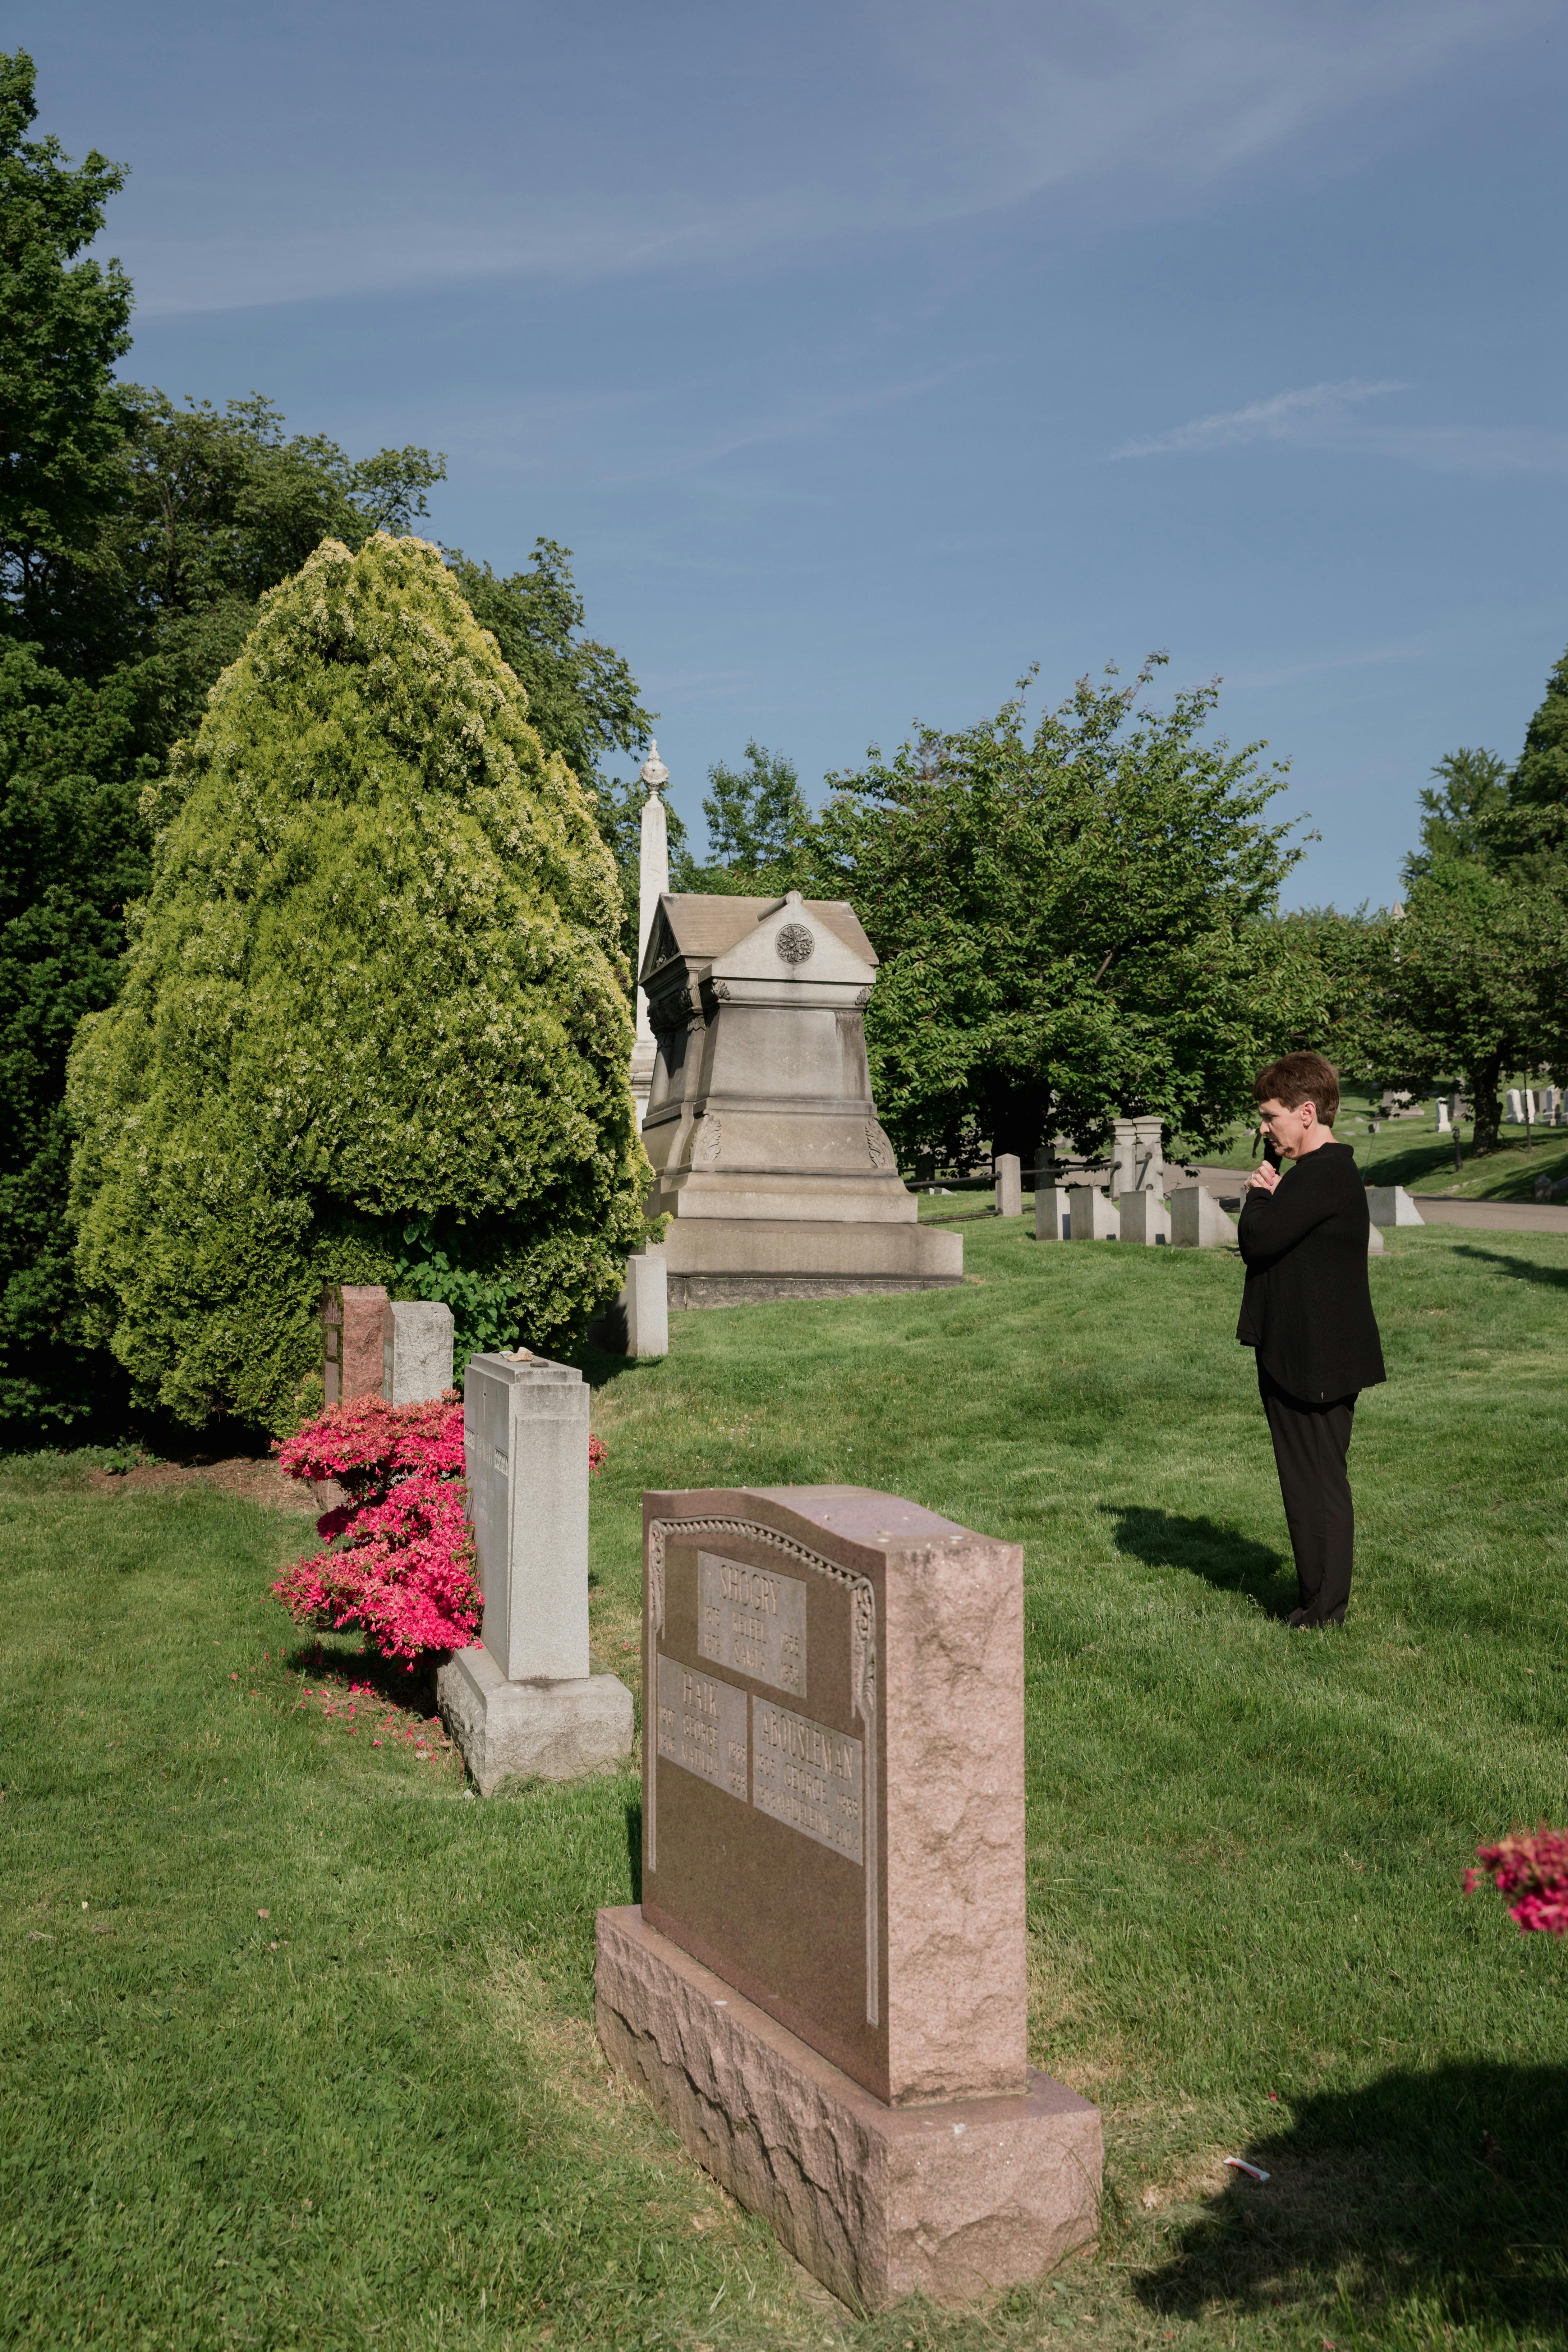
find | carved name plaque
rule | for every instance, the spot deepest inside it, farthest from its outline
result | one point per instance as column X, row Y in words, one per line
column 702, row 1724
column 753, row 1618
column 806, row 1774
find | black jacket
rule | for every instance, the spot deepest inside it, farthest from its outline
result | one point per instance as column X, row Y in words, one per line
column 1307, row 1306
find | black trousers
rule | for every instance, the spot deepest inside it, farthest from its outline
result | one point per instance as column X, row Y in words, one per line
column 1311, row 1443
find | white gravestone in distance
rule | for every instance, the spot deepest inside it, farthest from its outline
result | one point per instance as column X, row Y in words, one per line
column 1050, row 1211
column 1391, row 1204
column 1445, row 1124
column 1092, row 1215
column 1144, row 1217
column 521, row 1703
column 1009, row 1184
column 1197, row 1221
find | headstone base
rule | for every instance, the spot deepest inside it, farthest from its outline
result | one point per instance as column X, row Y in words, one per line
column 532, row 1731
column 740, row 1261
column 953, row 2201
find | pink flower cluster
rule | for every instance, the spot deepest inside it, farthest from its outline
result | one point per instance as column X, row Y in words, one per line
column 1534, row 1867
column 404, row 1572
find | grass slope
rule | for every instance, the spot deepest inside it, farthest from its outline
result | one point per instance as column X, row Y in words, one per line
column 377, row 2113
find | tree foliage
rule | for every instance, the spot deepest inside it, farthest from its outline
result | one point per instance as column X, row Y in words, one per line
column 63, row 325
column 761, row 833
column 376, row 981
column 1458, row 809
column 1070, row 923
column 1529, row 835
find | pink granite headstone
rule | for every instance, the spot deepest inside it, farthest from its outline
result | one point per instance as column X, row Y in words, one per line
column 351, row 1345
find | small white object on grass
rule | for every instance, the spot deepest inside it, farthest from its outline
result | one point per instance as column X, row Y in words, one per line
column 1240, row 2164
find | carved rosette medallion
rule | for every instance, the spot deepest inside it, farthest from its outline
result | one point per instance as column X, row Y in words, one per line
column 794, row 944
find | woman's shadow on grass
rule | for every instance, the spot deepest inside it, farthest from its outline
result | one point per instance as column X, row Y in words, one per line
column 1231, row 1562
column 1439, row 2190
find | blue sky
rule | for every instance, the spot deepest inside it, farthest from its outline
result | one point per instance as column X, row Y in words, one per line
column 867, row 352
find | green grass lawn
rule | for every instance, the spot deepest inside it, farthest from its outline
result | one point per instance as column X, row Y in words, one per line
column 315, row 2065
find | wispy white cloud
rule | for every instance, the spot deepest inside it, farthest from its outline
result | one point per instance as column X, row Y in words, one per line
column 1304, row 415
column 1326, row 416
column 879, row 117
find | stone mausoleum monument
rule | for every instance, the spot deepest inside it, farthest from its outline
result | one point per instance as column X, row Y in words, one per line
column 764, row 1136
column 822, row 1990
column 653, row 881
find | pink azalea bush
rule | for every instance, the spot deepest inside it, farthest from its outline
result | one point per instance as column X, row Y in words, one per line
column 1532, row 1866
column 399, row 1561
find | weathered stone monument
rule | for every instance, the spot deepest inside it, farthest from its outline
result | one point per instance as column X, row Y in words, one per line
column 1197, row 1221
column 416, row 1337
column 1051, row 1211
column 653, row 881
column 1009, row 1176
column 1391, row 1204
column 1144, row 1217
column 1444, row 1123
column 521, row 1703
column 353, row 1359
column 769, row 1160
column 637, row 1323
column 822, row 1990
column 1091, row 1213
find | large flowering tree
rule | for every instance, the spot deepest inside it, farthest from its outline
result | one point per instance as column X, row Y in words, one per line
column 374, row 1024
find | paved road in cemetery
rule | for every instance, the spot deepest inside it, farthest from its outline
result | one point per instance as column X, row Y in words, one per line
column 1486, row 1216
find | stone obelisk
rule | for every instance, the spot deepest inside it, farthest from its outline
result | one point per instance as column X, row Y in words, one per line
column 653, row 881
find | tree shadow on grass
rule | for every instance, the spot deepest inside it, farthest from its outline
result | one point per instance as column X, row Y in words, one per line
column 1444, row 2191
column 1231, row 1562
column 1555, row 1277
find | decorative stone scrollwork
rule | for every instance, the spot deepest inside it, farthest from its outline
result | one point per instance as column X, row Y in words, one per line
column 878, row 1150
column 795, row 943
column 709, row 1142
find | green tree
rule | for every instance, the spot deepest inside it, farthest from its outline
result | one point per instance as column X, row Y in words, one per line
column 1470, row 791
column 1069, row 923
column 73, row 849
column 760, row 830
column 374, row 1005
column 1529, row 835
column 1469, row 985
column 63, row 325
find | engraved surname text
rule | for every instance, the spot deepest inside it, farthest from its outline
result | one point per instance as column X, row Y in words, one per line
column 753, row 1620
column 807, row 1775
column 702, row 1724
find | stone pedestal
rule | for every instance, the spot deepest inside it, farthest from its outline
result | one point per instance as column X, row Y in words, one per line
column 1009, row 1184
column 522, row 1702
column 415, row 1351
column 1144, row 1217
column 953, row 2201
column 1092, row 1215
column 724, row 1262
column 1197, row 1221
column 352, row 1363
column 1137, row 1157
column 824, row 1989
column 532, row 1731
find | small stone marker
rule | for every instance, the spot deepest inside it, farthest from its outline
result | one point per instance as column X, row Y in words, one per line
column 822, row 1990
column 1515, row 1108
column 1009, row 1184
column 1050, row 1209
column 1092, row 1213
column 521, row 1703
column 351, row 1348
column 1144, row 1217
column 415, row 1351
column 1444, row 1123
column 1197, row 1221
column 1391, row 1204
column 636, row 1322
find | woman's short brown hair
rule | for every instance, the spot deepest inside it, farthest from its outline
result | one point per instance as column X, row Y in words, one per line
column 1297, row 1078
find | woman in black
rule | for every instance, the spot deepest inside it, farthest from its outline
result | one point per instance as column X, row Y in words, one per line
column 1307, row 1310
